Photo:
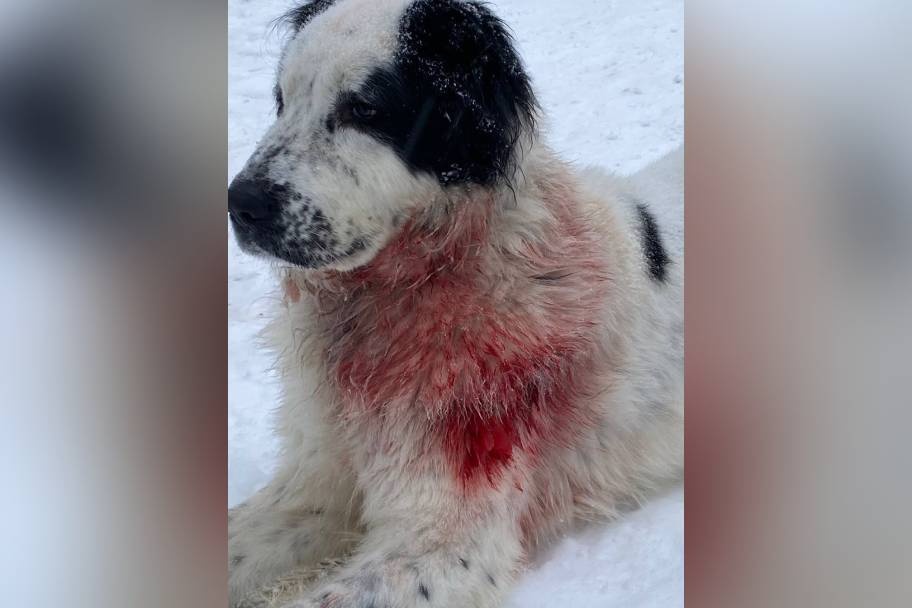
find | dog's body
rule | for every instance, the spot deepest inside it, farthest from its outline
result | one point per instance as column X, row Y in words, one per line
column 478, row 348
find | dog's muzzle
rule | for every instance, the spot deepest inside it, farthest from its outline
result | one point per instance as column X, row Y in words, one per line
column 258, row 211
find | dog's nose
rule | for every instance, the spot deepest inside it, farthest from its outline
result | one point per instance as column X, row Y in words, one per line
column 250, row 201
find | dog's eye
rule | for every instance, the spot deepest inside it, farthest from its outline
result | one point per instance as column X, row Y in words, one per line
column 363, row 111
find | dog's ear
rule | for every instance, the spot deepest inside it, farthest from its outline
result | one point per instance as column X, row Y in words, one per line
column 300, row 16
column 461, row 59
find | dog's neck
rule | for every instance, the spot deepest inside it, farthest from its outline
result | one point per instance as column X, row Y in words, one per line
column 448, row 241
column 495, row 283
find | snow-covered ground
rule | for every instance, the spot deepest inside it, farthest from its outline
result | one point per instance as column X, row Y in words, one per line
column 609, row 74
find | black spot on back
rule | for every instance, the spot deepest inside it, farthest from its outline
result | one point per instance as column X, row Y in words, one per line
column 456, row 99
column 653, row 250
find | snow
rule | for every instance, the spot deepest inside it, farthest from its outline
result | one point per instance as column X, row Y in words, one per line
column 609, row 75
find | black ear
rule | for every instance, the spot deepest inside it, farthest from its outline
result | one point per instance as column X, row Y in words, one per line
column 458, row 60
column 300, row 16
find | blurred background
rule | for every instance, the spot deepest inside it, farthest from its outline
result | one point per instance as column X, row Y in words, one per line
column 113, row 142
column 797, row 303
column 112, row 303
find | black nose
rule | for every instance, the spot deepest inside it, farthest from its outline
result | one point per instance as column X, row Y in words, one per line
column 251, row 201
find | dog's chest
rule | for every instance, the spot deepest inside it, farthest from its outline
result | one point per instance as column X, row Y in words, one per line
column 480, row 384
column 429, row 345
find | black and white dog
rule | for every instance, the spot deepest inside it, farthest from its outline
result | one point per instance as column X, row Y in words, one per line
column 479, row 344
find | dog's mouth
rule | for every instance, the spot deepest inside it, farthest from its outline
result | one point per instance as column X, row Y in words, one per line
column 273, row 243
column 309, row 247
column 263, row 225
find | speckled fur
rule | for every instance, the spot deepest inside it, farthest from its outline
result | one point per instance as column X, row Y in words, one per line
column 498, row 364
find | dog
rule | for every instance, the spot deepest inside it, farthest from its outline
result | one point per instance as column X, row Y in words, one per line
column 479, row 344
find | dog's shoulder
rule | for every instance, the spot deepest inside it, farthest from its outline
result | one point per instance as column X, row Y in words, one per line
column 651, row 203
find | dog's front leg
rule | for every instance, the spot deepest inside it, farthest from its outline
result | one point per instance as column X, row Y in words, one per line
column 302, row 517
column 432, row 542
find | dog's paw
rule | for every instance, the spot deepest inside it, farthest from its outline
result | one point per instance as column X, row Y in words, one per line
column 301, row 604
column 370, row 589
column 306, row 603
column 339, row 597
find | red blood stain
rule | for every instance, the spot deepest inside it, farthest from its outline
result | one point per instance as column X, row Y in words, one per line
column 479, row 445
column 423, row 325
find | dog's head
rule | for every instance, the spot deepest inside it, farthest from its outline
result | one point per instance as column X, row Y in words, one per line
column 382, row 107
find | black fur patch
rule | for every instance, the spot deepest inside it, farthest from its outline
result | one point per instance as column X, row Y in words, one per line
column 302, row 15
column 653, row 249
column 279, row 99
column 423, row 591
column 456, row 99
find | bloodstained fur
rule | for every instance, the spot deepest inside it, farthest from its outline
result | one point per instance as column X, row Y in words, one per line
column 432, row 323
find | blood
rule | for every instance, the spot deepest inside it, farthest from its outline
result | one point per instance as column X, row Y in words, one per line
column 422, row 326
column 480, row 446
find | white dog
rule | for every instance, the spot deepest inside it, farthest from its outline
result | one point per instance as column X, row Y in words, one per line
column 479, row 344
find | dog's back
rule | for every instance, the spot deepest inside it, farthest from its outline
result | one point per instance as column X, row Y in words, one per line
column 637, row 445
column 662, row 184
column 659, row 185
